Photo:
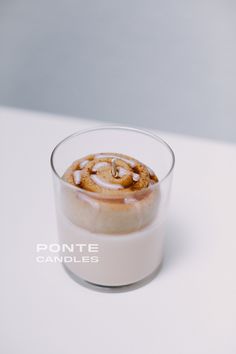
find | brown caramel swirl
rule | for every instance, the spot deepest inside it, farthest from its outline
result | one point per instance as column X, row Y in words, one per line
column 109, row 173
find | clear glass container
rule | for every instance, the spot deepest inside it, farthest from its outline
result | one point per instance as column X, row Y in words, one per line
column 112, row 240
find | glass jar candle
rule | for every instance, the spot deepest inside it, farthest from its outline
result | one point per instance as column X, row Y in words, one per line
column 111, row 234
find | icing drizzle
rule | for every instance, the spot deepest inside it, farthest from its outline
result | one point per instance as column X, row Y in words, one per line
column 100, row 182
column 77, row 177
column 109, row 171
column 132, row 163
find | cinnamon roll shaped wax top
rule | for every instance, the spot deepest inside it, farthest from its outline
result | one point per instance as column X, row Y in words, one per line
column 108, row 173
column 111, row 174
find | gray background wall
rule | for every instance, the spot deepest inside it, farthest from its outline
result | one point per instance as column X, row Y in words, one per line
column 156, row 63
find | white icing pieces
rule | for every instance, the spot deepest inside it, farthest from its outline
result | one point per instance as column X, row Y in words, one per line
column 83, row 163
column 136, row 177
column 132, row 163
column 122, row 171
column 151, row 172
column 77, row 177
column 104, row 184
column 99, row 165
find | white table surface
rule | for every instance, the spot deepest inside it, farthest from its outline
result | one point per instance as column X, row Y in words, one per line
column 190, row 307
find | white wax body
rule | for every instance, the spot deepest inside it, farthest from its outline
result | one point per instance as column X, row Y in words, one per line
column 122, row 259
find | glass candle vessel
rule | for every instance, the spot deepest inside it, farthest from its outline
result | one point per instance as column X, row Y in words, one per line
column 115, row 239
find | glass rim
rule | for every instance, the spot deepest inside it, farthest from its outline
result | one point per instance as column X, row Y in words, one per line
column 116, row 127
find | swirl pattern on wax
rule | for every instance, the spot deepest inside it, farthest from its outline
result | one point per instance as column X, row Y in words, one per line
column 109, row 173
